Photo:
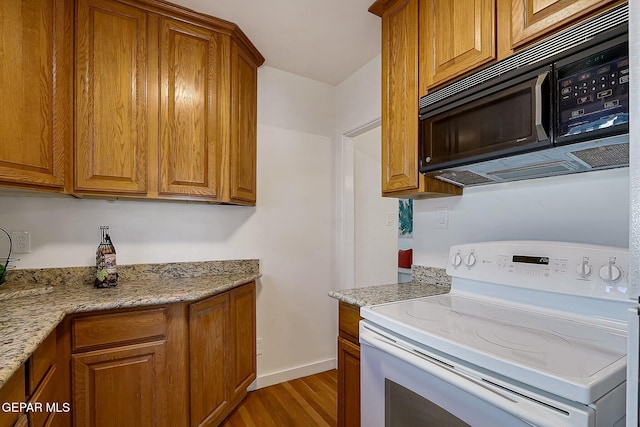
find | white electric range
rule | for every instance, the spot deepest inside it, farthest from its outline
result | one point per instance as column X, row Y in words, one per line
column 532, row 333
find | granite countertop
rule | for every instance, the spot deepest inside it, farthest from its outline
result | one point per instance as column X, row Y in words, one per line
column 426, row 281
column 30, row 308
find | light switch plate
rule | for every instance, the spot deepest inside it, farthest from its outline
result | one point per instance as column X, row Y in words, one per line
column 442, row 215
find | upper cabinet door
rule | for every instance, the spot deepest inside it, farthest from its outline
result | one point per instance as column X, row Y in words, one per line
column 244, row 110
column 457, row 36
column 189, row 71
column 35, row 91
column 111, row 78
column 532, row 19
column 400, row 97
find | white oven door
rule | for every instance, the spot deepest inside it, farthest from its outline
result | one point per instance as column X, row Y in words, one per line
column 405, row 386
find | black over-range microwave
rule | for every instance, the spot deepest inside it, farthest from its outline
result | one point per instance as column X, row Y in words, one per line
column 563, row 114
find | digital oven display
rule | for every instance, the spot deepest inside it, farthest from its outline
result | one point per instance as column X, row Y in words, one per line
column 541, row 260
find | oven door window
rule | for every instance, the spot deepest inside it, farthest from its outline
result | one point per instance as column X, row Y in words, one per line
column 507, row 121
column 405, row 408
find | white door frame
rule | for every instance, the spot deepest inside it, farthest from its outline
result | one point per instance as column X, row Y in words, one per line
column 346, row 247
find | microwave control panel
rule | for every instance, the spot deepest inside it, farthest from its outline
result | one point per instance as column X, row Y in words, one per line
column 593, row 93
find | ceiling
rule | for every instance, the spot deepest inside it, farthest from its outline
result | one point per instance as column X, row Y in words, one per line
column 324, row 40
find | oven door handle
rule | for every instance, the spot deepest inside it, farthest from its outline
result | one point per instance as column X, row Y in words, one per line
column 540, row 130
column 526, row 409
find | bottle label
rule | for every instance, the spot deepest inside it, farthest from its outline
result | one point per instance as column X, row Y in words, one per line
column 110, row 263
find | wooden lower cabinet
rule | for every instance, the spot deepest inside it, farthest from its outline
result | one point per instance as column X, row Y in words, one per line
column 120, row 386
column 183, row 364
column 12, row 391
column 222, row 361
column 348, row 383
column 348, row 365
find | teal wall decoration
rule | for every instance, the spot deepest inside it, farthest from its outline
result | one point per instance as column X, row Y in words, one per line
column 405, row 218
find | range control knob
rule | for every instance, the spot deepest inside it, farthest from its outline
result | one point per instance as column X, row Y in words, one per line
column 456, row 260
column 470, row 260
column 610, row 273
column 584, row 269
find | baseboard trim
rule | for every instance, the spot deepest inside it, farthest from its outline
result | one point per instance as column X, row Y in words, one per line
column 278, row 377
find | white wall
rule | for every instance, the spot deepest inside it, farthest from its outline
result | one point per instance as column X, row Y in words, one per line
column 291, row 230
column 585, row 208
column 357, row 110
column 376, row 217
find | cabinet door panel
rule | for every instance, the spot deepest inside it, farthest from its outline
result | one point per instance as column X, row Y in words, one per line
column 35, row 90
column 111, row 134
column 348, row 384
column 532, row 19
column 243, row 127
column 460, row 36
column 400, row 97
column 189, row 64
column 243, row 338
column 208, row 341
column 119, row 387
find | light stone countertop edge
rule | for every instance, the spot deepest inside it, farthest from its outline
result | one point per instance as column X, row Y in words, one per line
column 25, row 322
column 426, row 281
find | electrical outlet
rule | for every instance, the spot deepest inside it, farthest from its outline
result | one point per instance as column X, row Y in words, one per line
column 21, row 242
column 259, row 346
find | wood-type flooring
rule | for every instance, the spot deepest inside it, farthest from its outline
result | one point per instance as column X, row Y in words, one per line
column 304, row 402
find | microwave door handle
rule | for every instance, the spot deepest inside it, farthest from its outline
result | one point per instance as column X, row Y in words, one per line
column 540, row 130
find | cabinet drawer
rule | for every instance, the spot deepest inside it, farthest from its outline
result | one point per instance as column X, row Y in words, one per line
column 41, row 360
column 46, row 393
column 114, row 328
column 349, row 317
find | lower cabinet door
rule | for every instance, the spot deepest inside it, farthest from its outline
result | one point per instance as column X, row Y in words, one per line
column 120, row 387
column 208, row 360
column 348, row 384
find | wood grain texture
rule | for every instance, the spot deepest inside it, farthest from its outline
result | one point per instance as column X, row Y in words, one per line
column 189, row 67
column 35, row 89
column 348, row 384
column 208, row 357
column 243, row 338
column 349, row 322
column 400, row 97
column 460, row 36
column 120, row 387
column 177, row 374
column 115, row 328
column 533, row 19
column 12, row 391
column 41, row 361
column 47, row 392
column 243, row 143
column 111, row 79
column 309, row 401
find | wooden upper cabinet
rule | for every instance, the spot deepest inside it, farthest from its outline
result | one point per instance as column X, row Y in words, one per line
column 189, row 135
column 532, row 19
column 111, row 80
column 244, row 109
column 36, row 90
column 400, row 96
column 457, row 36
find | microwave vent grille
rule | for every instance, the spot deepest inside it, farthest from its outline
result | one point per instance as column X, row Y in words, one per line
column 553, row 45
column 533, row 171
column 463, row 178
column 606, row 156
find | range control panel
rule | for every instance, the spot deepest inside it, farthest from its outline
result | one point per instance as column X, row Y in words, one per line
column 571, row 268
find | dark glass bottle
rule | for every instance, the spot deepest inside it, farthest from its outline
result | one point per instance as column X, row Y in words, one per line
column 106, row 270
